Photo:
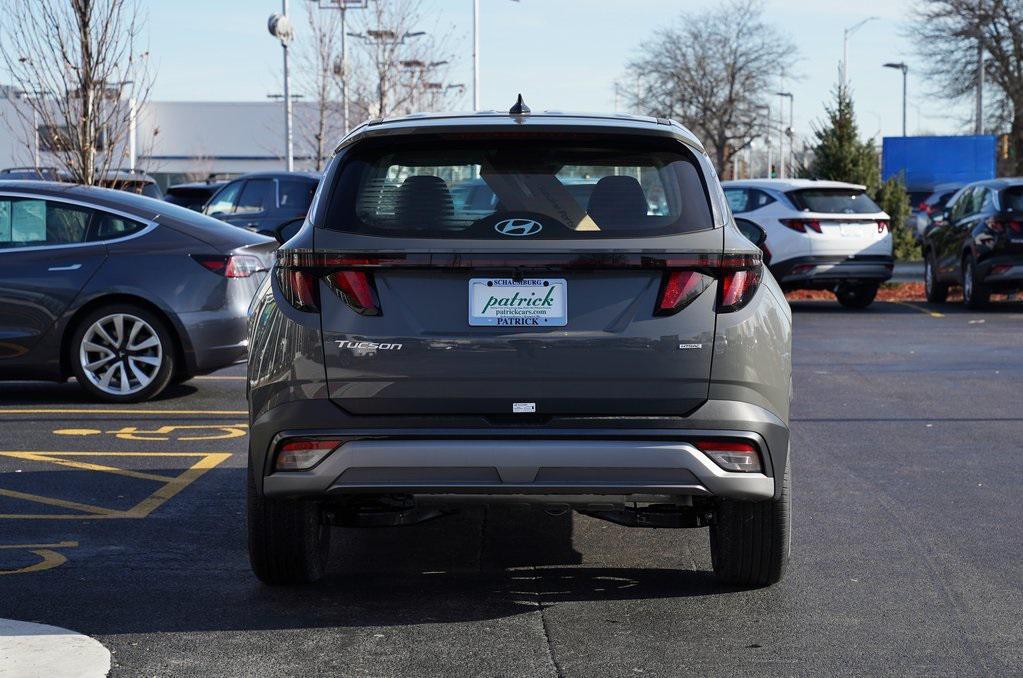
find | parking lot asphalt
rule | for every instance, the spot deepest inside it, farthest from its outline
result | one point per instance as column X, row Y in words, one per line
column 127, row 524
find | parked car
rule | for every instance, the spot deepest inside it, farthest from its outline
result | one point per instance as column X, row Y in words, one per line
column 132, row 181
column 125, row 293
column 928, row 203
column 822, row 234
column 409, row 355
column 193, row 195
column 264, row 202
column 977, row 242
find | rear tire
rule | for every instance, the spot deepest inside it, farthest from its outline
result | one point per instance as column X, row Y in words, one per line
column 288, row 540
column 856, row 296
column 937, row 292
column 975, row 294
column 750, row 541
column 122, row 353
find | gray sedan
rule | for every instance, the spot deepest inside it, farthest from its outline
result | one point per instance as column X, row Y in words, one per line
column 125, row 293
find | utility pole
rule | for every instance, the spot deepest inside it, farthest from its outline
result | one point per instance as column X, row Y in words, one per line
column 979, row 124
column 790, row 133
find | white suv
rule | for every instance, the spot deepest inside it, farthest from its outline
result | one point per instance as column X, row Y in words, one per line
column 821, row 234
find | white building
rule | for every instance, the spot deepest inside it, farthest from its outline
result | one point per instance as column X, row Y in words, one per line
column 188, row 140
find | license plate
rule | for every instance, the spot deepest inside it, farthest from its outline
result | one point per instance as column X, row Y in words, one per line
column 852, row 230
column 503, row 302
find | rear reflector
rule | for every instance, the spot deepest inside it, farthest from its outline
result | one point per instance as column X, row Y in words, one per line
column 300, row 454
column 230, row 265
column 732, row 455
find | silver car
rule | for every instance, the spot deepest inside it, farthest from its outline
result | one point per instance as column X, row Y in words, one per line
column 622, row 352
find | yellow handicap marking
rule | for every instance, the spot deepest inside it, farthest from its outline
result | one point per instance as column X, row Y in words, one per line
column 48, row 558
column 217, row 432
column 171, row 485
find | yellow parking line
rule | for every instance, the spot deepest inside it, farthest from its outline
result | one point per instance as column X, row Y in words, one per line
column 48, row 410
column 933, row 314
column 175, row 485
column 95, row 511
column 85, row 466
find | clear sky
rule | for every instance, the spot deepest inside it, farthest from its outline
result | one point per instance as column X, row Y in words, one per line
column 561, row 54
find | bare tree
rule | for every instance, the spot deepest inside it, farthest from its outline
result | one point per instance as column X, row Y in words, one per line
column 948, row 34
column 397, row 67
column 711, row 71
column 318, row 64
column 80, row 75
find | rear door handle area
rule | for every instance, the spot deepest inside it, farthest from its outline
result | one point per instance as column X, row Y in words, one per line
column 69, row 267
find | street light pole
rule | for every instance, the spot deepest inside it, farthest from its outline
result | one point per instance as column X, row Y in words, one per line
column 789, row 133
column 905, row 70
column 279, row 26
column 845, row 48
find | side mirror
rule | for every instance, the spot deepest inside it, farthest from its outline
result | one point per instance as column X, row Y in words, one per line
column 940, row 218
column 756, row 234
column 288, row 229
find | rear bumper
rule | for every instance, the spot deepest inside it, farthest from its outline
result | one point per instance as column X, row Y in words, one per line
column 537, row 467
column 825, row 271
column 1007, row 269
column 614, row 460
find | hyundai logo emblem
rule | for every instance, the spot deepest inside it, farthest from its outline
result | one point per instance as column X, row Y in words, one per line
column 518, row 227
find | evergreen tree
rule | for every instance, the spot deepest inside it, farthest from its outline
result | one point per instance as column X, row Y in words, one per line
column 839, row 155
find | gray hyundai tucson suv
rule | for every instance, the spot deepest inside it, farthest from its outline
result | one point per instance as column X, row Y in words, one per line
column 620, row 351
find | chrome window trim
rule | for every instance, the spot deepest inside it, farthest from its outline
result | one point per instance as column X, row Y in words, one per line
column 150, row 224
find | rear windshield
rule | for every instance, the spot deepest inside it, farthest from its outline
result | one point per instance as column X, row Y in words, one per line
column 834, row 201
column 491, row 188
column 1012, row 199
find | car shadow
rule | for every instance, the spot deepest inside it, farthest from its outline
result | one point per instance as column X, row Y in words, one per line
column 185, row 567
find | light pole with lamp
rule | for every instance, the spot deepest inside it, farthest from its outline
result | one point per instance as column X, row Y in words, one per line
column 790, row 133
column 280, row 27
column 905, row 69
column 845, row 47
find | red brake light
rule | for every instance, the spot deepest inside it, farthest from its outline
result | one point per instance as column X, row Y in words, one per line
column 1001, row 226
column 230, row 265
column 740, row 279
column 300, row 287
column 356, row 287
column 800, row 225
column 882, row 226
column 679, row 289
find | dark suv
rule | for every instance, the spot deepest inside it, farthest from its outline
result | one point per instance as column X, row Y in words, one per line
column 977, row 242
column 268, row 203
column 621, row 351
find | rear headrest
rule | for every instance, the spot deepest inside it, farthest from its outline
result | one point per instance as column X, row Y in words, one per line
column 423, row 200
column 618, row 201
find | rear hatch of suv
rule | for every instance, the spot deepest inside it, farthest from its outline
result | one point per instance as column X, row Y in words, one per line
column 840, row 221
column 543, row 300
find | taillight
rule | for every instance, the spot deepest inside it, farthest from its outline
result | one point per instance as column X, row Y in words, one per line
column 800, row 225
column 300, row 287
column 300, row 454
column 679, row 289
column 230, row 265
column 356, row 287
column 732, row 455
column 740, row 278
column 882, row 226
column 1004, row 225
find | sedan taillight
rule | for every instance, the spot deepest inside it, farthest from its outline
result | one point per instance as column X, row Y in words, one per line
column 230, row 265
